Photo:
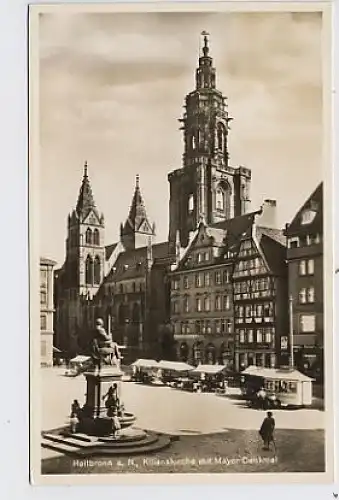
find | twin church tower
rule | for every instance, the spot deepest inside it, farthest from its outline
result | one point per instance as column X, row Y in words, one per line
column 206, row 188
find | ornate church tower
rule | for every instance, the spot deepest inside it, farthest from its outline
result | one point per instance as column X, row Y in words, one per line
column 85, row 250
column 206, row 187
column 137, row 230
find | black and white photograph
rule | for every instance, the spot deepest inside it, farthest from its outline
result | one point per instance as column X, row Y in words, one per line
column 180, row 243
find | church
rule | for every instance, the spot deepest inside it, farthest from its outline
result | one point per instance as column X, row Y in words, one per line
column 215, row 292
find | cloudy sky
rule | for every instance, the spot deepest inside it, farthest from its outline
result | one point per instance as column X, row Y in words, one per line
column 112, row 87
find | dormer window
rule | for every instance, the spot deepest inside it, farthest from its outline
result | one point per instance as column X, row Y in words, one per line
column 308, row 216
column 293, row 242
column 125, row 267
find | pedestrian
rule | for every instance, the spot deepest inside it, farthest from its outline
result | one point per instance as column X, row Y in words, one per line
column 267, row 431
column 116, row 426
column 74, row 422
column 75, row 408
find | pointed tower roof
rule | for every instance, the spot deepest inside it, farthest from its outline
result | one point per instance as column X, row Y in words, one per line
column 205, row 73
column 137, row 213
column 85, row 199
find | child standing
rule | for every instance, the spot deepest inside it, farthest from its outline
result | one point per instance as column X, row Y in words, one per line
column 116, row 426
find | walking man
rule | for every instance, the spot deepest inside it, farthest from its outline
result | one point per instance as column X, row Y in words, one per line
column 267, row 431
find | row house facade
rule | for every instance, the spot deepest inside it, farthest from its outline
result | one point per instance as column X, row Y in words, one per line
column 229, row 294
column 260, row 299
column 305, row 281
column 201, row 301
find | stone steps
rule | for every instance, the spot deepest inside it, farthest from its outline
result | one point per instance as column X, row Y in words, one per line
column 160, row 444
column 79, row 436
column 146, row 440
column 69, row 440
column 70, row 445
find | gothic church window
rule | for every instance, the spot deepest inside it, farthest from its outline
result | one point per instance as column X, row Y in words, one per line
column 97, row 270
column 219, row 199
column 89, row 236
column 221, row 137
column 89, row 270
column 96, row 237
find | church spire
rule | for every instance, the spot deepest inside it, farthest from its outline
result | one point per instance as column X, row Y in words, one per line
column 137, row 211
column 137, row 225
column 205, row 73
column 85, row 198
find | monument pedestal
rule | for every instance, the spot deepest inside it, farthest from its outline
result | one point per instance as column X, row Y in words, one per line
column 94, row 434
column 93, row 416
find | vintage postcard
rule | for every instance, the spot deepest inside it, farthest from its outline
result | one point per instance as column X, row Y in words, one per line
column 181, row 243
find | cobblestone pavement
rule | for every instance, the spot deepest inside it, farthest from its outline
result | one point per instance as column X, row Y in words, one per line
column 234, row 451
column 169, row 410
column 215, row 434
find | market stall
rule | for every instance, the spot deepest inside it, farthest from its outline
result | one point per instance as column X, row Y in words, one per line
column 289, row 386
column 78, row 365
column 144, row 370
column 211, row 377
column 172, row 371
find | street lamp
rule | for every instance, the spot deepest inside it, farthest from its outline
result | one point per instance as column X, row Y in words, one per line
column 291, row 331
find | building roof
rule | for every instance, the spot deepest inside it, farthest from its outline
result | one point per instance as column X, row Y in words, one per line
column 137, row 213
column 109, row 249
column 314, row 202
column 85, row 199
column 273, row 244
column 131, row 263
column 236, row 227
column 47, row 262
column 275, row 234
column 276, row 374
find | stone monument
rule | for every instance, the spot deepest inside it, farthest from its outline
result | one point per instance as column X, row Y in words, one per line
column 102, row 426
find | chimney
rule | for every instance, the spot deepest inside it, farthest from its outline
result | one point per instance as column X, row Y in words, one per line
column 268, row 216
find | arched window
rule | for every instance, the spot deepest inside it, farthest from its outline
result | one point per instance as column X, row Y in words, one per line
column 223, row 196
column 210, row 354
column 198, row 353
column 89, row 270
column 89, row 236
column 191, row 203
column 136, row 313
column 97, row 270
column 183, row 353
column 221, row 137
column 220, row 199
column 96, row 237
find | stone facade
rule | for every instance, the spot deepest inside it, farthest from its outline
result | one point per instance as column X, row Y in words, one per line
column 305, row 283
column 207, row 187
column 46, row 311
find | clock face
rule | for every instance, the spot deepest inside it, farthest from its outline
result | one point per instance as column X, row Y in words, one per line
column 308, row 216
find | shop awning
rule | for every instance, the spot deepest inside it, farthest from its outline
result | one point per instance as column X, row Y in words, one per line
column 146, row 363
column 176, row 366
column 276, row 374
column 209, row 369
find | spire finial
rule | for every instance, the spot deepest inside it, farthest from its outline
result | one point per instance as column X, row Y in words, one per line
column 205, row 48
column 85, row 169
column 137, row 181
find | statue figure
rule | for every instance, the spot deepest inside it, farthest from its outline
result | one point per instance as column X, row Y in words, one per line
column 104, row 350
